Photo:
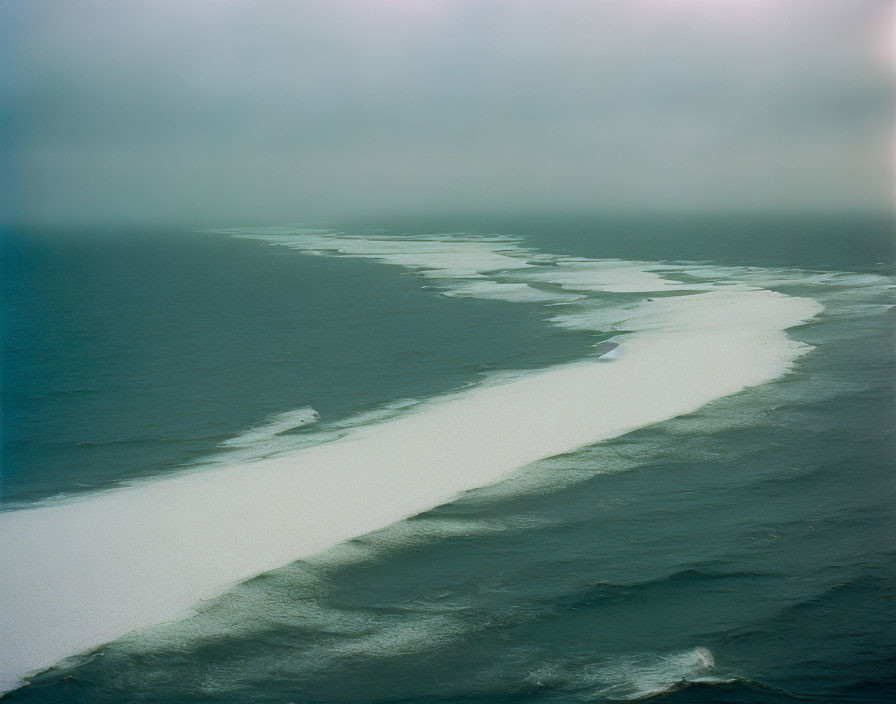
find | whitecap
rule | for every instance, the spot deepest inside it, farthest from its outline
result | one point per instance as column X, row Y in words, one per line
column 631, row 677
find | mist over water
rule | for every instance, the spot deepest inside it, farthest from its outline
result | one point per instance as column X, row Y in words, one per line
column 267, row 112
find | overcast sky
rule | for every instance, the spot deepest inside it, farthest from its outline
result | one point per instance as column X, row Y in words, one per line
column 222, row 112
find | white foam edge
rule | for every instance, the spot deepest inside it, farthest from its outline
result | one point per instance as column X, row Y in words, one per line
column 512, row 292
column 272, row 426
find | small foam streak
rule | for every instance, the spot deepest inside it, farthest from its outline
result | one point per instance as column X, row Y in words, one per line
column 633, row 677
column 280, row 423
column 637, row 679
column 514, row 293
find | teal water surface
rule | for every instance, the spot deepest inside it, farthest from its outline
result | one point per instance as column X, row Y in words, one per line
column 131, row 354
column 742, row 553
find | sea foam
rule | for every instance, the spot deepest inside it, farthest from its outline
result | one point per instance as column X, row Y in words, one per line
column 80, row 573
column 273, row 426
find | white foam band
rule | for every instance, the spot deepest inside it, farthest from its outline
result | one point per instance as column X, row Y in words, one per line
column 81, row 573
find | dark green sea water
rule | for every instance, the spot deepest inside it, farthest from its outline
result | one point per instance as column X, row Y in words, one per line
column 742, row 553
column 131, row 353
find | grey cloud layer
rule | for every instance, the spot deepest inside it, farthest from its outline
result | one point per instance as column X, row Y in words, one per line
column 230, row 111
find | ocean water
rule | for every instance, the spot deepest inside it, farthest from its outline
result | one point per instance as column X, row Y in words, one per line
column 401, row 462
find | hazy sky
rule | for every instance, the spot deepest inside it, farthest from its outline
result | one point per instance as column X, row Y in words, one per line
column 221, row 111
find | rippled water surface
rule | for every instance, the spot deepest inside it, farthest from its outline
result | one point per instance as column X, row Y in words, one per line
column 739, row 553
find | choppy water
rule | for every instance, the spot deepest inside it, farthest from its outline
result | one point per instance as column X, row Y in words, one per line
column 739, row 553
